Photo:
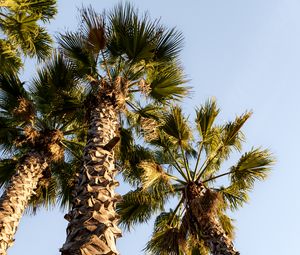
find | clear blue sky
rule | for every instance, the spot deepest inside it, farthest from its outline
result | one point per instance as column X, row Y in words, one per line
column 246, row 54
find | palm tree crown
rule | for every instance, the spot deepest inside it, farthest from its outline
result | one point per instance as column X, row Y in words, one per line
column 189, row 168
column 125, row 63
column 21, row 32
column 39, row 153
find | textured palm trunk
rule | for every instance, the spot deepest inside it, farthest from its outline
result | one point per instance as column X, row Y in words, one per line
column 14, row 200
column 92, row 227
column 203, row 204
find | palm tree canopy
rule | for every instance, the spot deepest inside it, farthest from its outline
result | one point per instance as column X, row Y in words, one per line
column 22, row 33
column 26, row 125
column 192, row 171
column 124, row 47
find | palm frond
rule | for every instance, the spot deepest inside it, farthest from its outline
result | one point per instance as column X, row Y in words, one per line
column 169, row 44
column 93, row 29
column 253, row 165
column 126, row 144
column 23, row 31
column 231, row 135
column 205, row 117
column 8, row 134
column 9, row 58
column 227, row 224
column 167, row 82
column 56, row 89
column 166, row 235
column 234, row 196
column 42, row 45
column 154, row 175
column 65, row 174
column 7, row 170
column 44, row 9
column 44, row 197
column 12, row 94
column 131, row 35
column 138, row 206
column 176, row 126
column 129, row 166
column 73, row 45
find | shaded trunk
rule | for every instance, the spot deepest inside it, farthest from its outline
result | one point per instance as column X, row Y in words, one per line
column 203, row 204
column 92, row 227
column 14, row 200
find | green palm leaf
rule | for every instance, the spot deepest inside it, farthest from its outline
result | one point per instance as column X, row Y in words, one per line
column 73, row 45
column 154, row 176
column 231, row 135
column 234, row 196
column 7, row 170
column 45, row 9
column 166, row 235
column 138, row 206
column 23, row 30
column 130, row 169
column 205, row 117
column 166, row 82
column 176, row 126
column 130, row 35
column 9, row 58
column 253, row 165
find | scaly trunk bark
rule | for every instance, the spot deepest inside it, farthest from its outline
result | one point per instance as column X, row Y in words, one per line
column 203, row 203
column 14, row 200
column 92, row 228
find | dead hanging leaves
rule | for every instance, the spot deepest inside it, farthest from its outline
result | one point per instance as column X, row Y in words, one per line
column 24, row 110
column 46, row 140
column 149, row 129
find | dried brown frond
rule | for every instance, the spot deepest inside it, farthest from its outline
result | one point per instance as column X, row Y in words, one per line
column 51, row 141
column 149, row 129
column 120, row 91
column 56, row 135
column 145, row 87
column 31, row 134
column 97, row 39
column 24, row 110
column 56, row 151
column 203, row 200
column 210, row 202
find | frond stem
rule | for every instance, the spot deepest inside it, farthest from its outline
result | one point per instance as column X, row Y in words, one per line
column 106, row 66
column 75, row 129
column 68, row 148
column 175, row 211
column 133, row 90
column 135, row 108
column 186, row 164
column 177, row 166
column 198, row 159
column 5, row 16
column 176, row 179
column 218, row 176
column 206, row 163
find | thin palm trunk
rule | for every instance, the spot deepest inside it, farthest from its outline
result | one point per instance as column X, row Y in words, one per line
column 203, row 204
column 92, row 228
column 14, row 200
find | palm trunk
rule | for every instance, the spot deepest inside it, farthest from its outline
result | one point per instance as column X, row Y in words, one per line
column 14, row 200
column 203, row 204
column 92, row 228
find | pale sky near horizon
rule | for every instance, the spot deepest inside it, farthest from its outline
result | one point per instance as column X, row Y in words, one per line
column 247, row 55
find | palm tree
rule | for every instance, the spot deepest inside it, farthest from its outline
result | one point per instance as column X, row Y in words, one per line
column 21, row 32
column 34, row 145
column 121, row 59
column 198, row 224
